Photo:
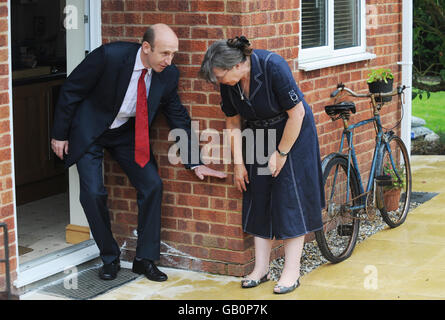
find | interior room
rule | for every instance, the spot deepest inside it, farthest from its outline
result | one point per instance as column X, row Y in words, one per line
column 39, row 70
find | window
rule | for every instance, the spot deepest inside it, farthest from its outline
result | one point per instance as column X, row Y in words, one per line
column 314, row 26
column 331, row 29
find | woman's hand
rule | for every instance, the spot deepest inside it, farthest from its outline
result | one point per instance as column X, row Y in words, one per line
column 276, row 163
column 241, row 177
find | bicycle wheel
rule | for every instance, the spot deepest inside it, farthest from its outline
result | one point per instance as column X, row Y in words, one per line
column 338, row 237
column 394, row 198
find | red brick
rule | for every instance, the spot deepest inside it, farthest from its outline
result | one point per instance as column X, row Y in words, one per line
column 207, row 33
column 5, row 141
column 193, row 201
column 178, row 237
column 230, row 256
column 207, row 6
column 224, row 230
column 152, row 18
column 224, row 19
column 126, row 218
column 192, row 226
column 178, row 187
column 210, row 216
column 5, row 154
column 140, row 5
column 174, row 5
column 179, row 212
column 194, row 251
column 234, row 6
column 168, row 223
column 206, row 189
column 209, row 241
column 190, row 19
column 112, row 5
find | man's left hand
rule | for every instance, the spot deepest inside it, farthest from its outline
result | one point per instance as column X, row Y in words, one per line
column 204, row 171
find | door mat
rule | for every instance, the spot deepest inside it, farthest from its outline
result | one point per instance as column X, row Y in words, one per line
column 87, row 284
column 24, row 250
column 421, row 197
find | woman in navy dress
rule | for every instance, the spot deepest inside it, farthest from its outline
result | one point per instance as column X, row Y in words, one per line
column 282, row 187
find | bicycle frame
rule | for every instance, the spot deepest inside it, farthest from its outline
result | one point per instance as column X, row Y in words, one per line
column 352, row 157
column 348, row 134
column 381, row 138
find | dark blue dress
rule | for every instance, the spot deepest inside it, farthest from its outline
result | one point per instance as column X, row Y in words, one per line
column 289, row 205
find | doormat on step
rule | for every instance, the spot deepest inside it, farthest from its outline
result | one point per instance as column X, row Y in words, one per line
column 421, row 197
column 24, row 250
column 87, row 284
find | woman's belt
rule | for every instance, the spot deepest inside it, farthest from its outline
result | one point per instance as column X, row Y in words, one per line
column 264, row 123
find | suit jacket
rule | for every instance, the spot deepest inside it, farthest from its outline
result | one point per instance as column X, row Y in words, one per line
column 92, row 95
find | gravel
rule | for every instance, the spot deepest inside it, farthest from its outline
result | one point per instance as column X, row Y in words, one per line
column 312, row 257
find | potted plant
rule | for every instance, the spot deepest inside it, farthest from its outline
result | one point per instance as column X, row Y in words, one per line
column 380, row 81
column 391, row 191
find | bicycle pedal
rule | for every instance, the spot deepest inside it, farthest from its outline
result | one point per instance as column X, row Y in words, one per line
column 345, row 230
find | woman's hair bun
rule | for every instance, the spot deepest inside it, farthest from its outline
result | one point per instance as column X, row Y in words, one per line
column 241, row 43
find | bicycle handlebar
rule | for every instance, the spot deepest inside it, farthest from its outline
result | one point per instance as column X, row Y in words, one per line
column 341, row 87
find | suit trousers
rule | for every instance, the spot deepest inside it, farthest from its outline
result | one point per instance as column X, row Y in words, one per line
column 119, row 143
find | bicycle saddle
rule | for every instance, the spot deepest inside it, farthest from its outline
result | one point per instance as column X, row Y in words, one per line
column 340, row 108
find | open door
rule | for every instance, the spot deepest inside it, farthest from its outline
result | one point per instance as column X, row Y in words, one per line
column 49, row 39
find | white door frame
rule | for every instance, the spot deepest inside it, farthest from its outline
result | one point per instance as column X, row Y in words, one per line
column 60, row 261
column 89, row 33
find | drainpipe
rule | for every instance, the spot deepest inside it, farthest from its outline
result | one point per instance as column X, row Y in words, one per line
column 407, row 64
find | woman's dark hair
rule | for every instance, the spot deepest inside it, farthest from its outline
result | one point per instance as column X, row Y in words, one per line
column 224, row 54
column 242, row 44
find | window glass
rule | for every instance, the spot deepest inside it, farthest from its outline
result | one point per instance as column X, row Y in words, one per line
column 314, row 22
column 346, row 24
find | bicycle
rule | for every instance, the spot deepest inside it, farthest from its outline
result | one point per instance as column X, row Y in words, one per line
column 346, row 199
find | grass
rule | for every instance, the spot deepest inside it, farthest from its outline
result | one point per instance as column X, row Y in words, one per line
column 432, row 110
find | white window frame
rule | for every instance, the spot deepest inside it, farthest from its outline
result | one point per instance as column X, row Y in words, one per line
column 326, row 56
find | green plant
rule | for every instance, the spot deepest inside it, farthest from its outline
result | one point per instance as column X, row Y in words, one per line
column 420, row 93
column 380, row 75
column 396, row 183
column 429, row 45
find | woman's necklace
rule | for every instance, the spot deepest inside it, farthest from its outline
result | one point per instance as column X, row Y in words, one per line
column 241, row 92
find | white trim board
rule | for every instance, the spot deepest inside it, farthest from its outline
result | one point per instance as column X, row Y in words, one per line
column 56, row 262
column 325, row 63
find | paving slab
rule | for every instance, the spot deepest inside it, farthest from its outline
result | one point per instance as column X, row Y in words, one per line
column 405, row 263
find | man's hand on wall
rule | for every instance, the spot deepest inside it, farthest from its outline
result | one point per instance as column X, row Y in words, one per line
column 204, row 171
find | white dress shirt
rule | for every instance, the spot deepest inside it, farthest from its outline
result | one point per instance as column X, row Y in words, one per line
column 128, row 107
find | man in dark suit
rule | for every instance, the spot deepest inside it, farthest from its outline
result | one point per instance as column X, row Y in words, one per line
column 108, row 102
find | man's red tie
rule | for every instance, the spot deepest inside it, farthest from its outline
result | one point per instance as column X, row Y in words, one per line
column 141, row 140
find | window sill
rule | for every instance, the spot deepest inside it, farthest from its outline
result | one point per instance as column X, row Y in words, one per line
column 330, row 62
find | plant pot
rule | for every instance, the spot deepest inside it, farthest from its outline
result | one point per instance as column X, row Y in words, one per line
column 381, row 87
column 391, row 199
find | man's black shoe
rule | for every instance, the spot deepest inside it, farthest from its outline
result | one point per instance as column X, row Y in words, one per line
column 109, row 271
column 149, row 269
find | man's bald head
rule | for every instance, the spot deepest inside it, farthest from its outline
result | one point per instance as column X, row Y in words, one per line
column 153, row 32
column 159, row 46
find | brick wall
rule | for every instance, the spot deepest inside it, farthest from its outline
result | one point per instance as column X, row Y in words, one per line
column 201, row 221
column 6, row 190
